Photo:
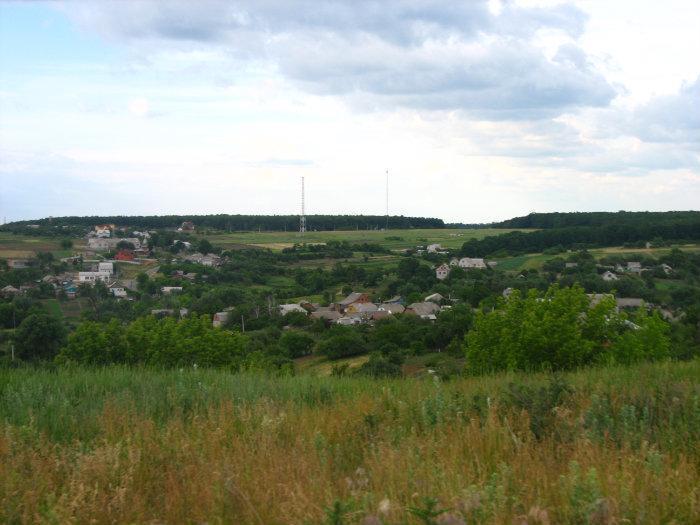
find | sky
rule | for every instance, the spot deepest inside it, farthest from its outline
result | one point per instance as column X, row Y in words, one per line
column 480, row 110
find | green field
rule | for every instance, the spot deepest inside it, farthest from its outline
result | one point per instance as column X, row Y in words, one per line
column 20, row 246
column 392, row 239
column 119, row 445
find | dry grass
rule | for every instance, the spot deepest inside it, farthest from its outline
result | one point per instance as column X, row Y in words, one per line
column 121, row 446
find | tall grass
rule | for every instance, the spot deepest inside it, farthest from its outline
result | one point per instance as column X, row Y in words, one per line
column 119, row 445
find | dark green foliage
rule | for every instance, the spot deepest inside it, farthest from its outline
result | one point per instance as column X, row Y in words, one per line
column 341, row 342
column 39, row 337
column 295, row 343
column 561, row 330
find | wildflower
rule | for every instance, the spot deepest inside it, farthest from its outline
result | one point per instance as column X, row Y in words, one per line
column 384, row 506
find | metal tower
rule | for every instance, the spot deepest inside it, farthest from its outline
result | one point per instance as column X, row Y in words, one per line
column 302, row 217
column 387, row 199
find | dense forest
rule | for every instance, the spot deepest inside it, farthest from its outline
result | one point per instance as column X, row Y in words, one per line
column 580, row 230
column 240, row 222
column 602, row 218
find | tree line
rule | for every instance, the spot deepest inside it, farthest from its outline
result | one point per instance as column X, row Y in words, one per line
column 240, row 222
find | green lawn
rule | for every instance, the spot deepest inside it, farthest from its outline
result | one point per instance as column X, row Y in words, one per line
column 392, row 239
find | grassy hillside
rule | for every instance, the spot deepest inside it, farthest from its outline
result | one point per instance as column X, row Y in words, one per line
column 616, row 445
column 392, row 239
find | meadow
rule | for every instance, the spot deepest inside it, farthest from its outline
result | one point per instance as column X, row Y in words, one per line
column 118, row 445
column 391, row 239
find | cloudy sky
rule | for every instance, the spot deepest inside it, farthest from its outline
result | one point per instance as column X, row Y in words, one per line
column 481, row 110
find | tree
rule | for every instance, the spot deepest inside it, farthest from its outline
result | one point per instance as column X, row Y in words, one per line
column 125, row 245
column 296, row 344
column 205, row 247
column 39, row 337
column 342, row 342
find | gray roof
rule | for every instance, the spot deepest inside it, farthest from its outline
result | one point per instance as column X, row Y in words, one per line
column 352, row 298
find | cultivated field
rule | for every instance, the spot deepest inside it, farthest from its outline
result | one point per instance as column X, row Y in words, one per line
column 19, row 246
column 615, row 445
column 392, row 239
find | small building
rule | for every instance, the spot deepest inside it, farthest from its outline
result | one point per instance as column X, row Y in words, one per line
column 18, row 264
column 470, row 262
column 187, row 226
column 397, row 299
column 629, row 302
column 93, row 277
column 442, row 272
column 391, row 308
column 9, row 291
column 326, row 313
column 424, row 310
column 507, row 292
column 435, row 298
column 117, row 291
column 106, row 267
column 220, row 319
column 167, row 290
column 666, row 268
column 285, row 309
column 71, row 290
column 361, row 308
column 570, row 265
column 433, row 248
column 349, row 320
column 353, row 298
column 609, row 276
column 634, row 267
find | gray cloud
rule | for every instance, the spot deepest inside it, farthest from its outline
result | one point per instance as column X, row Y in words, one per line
column 409, row 53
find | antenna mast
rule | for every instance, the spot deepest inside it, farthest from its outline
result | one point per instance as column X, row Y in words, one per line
column 302, row 217
column 387, row 199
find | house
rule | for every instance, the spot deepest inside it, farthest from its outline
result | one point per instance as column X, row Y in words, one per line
column 104, row 244
column 205, row 260
column 425, row 310
column 391, row 308
column 285, row 309
column 397, row 299
column 103, row 231
column 106, row 267
column 634, row 267
column 596, row 298
column 117, row 290
column 629, row 302
column 326, row 313
column 442, row 272
column 93, row 277
column 433, row 248
column 9, row 290
column 187, row 226
column 435, row 298
column 167, row 290
column 124, row 255
column 361, row 308
column 17, row 264
column 349, row 320
column 468, row 262
column 353, row 298
column 609, row 276
column 220, row 319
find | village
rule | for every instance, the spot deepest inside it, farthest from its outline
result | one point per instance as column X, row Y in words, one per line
column 114, row 257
